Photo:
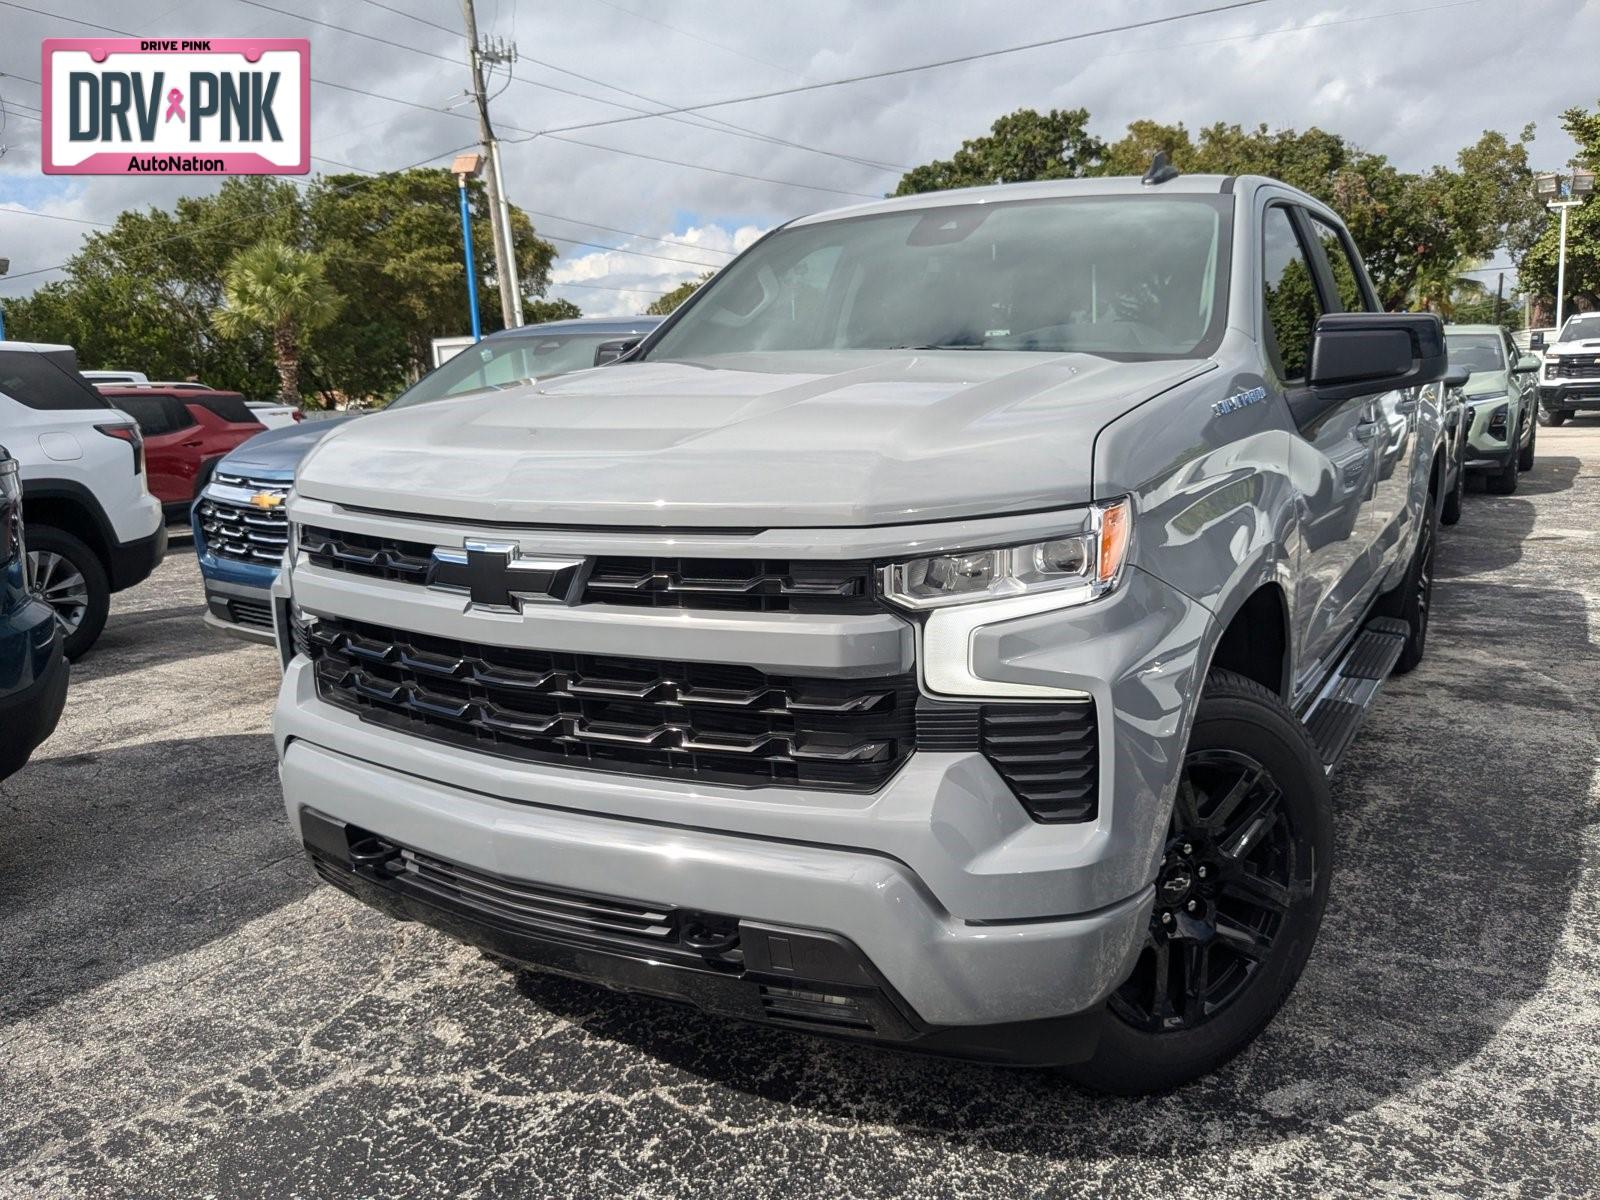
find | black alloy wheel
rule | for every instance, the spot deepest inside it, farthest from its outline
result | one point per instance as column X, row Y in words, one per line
column 1231, row 871
column 1239, row 893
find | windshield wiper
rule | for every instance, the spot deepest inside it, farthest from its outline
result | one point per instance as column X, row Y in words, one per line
column 946, row 346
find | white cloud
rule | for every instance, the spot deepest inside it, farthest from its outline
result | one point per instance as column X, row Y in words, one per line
column 659, row 265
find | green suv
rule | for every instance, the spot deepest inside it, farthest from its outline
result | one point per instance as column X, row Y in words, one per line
column 1501, row 397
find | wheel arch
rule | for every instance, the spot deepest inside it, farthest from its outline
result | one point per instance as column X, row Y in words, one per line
column 71, row 508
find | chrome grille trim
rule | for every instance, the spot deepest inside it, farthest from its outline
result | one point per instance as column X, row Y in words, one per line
column 745, row 585
column 242, row 532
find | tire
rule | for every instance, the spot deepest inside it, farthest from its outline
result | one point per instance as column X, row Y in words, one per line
column 1504, row 481
column 1525, row 455
column 1450, row 511
column 1549, row 417
column 1412, row 601
column 1256, row 912
column 68, row 576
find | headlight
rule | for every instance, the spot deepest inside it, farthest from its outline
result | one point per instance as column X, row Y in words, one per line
column 1090, row 561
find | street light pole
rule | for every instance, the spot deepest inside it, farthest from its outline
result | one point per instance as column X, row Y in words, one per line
column 5, row 265
column 1561, row 258
column 468, row 166
column 1563, row 192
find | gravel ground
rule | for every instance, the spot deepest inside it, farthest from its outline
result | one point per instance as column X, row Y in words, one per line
column 182, row 1013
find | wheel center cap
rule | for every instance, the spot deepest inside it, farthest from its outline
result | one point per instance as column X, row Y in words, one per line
column 1174, row 886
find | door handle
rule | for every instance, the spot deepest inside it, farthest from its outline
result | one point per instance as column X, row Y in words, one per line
column 1407, row 404
column 1365, row 432
column 192, row 445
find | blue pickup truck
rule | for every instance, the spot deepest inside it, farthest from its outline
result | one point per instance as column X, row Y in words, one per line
column 240, row 528
column 33, row 670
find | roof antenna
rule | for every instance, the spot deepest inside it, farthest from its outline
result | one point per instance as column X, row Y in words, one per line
column 1160, row 170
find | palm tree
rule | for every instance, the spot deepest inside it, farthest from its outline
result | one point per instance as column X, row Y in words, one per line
column 277, row 288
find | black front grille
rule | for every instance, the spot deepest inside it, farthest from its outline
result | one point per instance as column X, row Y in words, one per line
column 1575, row 368
column 246, row 532
column 546, row 909
column 1048, row 754
column 742, row 585
column 728, row 724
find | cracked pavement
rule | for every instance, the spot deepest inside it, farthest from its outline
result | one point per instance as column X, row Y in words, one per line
column 183, row 1013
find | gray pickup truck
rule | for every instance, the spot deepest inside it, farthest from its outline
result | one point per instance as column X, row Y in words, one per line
column 938, row 633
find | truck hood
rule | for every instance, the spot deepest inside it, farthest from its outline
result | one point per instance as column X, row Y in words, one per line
column 279, row 451
column 1587, row 346
column 796, row 439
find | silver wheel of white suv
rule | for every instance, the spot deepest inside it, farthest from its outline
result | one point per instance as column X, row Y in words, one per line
column 61, row 585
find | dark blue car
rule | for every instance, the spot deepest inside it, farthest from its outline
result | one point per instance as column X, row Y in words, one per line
column 240, row 527
column 33, row 670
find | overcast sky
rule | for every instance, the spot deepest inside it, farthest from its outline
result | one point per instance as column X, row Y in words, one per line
column 1413, row 79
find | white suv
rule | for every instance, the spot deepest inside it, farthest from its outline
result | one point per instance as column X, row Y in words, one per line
column 93, row 526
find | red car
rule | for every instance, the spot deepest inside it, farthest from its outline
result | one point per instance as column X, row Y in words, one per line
column 186, row 431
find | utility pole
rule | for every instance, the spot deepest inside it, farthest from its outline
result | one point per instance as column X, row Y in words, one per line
column 1499, row 294
column 504, row 256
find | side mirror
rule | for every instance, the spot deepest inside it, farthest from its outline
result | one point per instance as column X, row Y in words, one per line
column 1457, row 376
column 1536, row 340
column 611, row 351
column 1360, row 354
column 1526, row 365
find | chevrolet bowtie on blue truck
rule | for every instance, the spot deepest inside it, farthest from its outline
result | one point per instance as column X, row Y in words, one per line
column 240, row 526
column 938, row 632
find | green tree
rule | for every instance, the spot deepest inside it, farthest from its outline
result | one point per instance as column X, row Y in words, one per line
column 1536, row 269
column 393, row 246
column 536, row 312
column 141, row 293
column 665, row 304
column 1021, row 146
column 273, row 288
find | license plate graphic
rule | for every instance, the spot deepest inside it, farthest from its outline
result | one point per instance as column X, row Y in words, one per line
column 173, row 106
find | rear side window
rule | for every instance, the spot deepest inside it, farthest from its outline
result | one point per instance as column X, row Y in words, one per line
column 1346, row 273
column 148, row 411
column 230, row 406
column 156, row 415
column 1290, row 307
column 48, row 381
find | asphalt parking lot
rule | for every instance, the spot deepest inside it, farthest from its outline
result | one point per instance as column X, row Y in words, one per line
column 182, row 1013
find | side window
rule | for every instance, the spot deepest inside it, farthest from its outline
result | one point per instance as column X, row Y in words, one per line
column 178, row 413
column 46, row 381
column 1289, row 296
column 1346, row 273
column 148, row 411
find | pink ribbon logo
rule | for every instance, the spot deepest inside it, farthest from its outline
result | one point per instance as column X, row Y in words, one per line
column 175, row 105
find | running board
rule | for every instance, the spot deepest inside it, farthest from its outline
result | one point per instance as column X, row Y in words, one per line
column 1343, row 703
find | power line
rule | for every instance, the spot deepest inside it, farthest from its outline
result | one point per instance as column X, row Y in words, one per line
column 412, row 17
column 728, row 126
column 532, row 212
column 215, row 225
column 28, row 212
column 977, row 56
column 609, row 288
column 814, row 187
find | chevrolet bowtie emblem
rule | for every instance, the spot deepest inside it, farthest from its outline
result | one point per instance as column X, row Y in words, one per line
column 496, row 576
column 266, row 500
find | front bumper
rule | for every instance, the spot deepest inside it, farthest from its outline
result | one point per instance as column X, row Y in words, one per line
column 1573, row 395
column 733, row 966
column 550, row 826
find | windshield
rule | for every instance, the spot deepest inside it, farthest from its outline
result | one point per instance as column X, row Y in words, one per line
column 1124, row 276
column 504, row 361
column 1581, row 328
column 1480, row 351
